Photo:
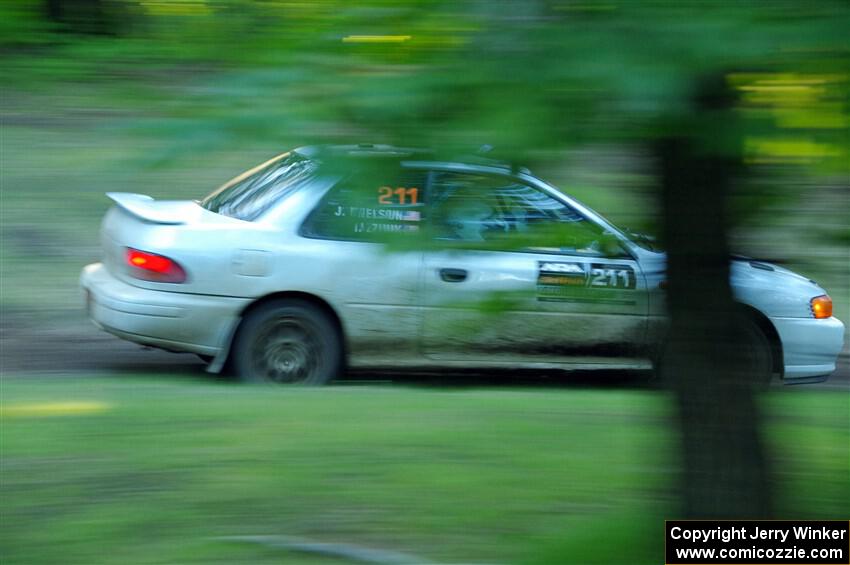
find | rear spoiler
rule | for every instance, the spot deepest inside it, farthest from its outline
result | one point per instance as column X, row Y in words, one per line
column 146, row 208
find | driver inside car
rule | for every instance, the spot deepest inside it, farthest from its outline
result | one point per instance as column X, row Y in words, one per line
column 471, row 219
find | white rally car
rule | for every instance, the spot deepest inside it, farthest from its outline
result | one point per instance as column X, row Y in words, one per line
column 373, row 256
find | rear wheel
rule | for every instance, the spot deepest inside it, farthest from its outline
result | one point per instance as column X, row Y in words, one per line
column 289, row 342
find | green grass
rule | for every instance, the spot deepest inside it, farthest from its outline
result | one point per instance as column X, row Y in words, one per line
column 453, row 475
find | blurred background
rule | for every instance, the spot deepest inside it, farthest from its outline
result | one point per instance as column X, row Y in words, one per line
column 125, row 455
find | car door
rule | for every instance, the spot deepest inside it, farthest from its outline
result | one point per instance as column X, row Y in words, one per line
column 517, row 274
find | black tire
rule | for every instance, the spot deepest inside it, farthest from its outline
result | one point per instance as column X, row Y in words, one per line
column 757, row 353
column 289, row 342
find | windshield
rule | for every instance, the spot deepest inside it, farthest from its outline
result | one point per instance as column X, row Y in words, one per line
column 249, row 195
column 643, row 241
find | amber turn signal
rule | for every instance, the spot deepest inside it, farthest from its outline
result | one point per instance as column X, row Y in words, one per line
column 821, row 306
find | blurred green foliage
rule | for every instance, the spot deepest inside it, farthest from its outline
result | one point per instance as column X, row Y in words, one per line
column 523, row 76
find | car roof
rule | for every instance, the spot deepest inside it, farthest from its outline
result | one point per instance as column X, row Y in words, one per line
column 392, row 152
column 364, row 150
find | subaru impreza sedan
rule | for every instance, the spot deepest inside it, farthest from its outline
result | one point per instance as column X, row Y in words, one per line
column 368, row 256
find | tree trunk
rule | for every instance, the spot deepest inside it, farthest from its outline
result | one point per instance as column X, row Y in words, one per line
column 725, row 473
column 79, row 16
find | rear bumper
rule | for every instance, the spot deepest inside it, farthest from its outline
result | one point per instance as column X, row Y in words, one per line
column 170, row 320
column 810, row 347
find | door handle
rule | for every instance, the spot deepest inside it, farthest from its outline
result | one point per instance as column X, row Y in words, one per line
column 453, row 275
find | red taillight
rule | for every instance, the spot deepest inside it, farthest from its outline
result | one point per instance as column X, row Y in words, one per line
column 821, row 306
column 153, row 267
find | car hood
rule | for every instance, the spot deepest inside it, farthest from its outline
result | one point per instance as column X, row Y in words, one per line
column 771, row 289
column 767, row 269
column 741, row 266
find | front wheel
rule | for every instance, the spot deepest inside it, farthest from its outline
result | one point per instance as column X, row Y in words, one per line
column 289, row 342
column 757, row 354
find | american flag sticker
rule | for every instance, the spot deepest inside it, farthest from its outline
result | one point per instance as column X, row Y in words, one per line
column 411, row 216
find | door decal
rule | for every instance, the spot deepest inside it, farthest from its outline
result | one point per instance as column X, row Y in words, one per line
column 560, row 281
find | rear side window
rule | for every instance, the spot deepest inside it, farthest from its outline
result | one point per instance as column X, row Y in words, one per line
column 251, row 194
column 376, row 204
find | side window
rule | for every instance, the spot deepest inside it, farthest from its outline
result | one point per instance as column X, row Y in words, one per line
column 375, row 205
column 499, row 213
